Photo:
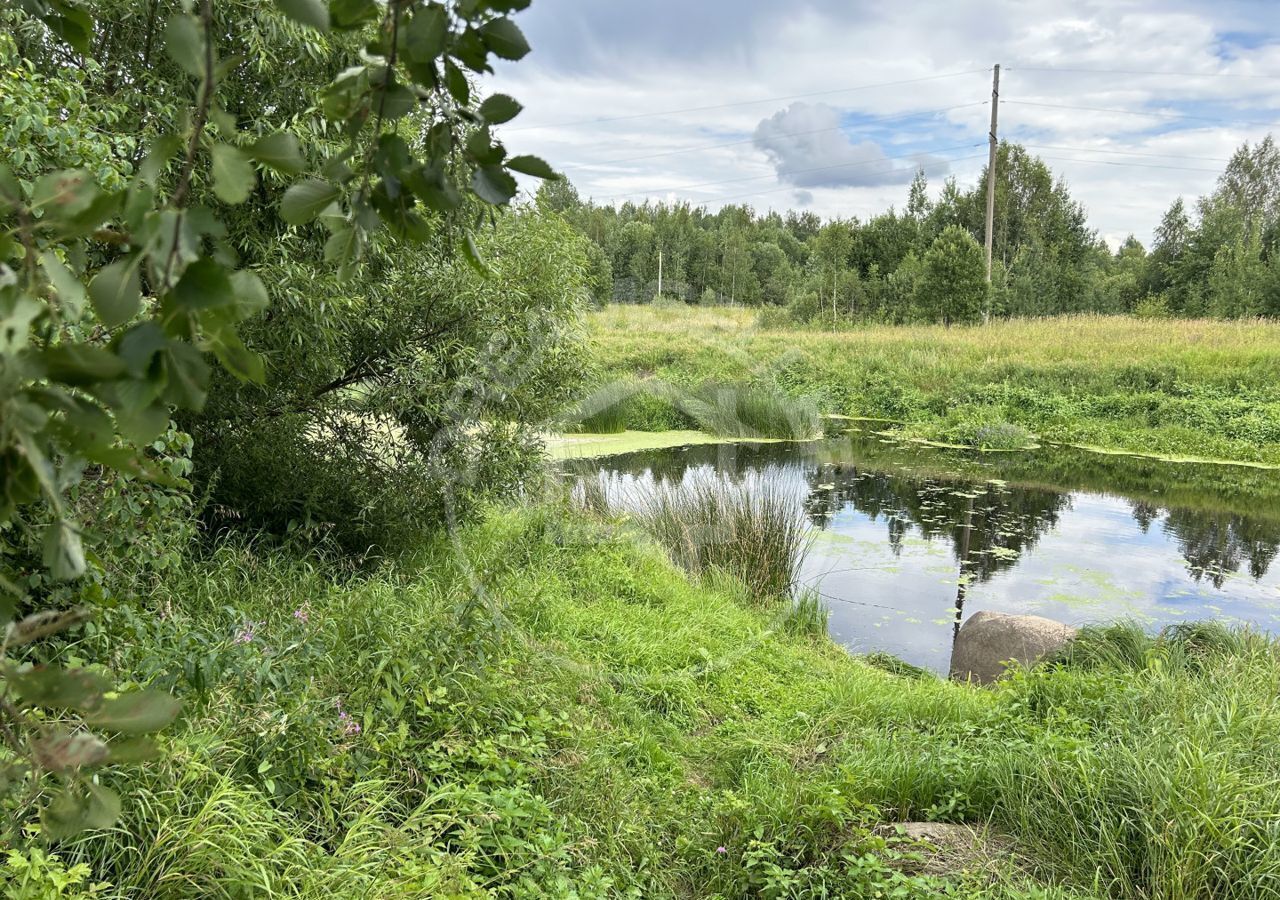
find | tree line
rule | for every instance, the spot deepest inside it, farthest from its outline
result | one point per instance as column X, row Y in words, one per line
column 1219, row 256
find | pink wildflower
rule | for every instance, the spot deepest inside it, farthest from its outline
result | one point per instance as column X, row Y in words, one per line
column 302, row 614
column 721, row 850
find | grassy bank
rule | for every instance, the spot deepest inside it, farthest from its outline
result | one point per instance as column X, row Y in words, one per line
column 1178, row 387
column 546, row 707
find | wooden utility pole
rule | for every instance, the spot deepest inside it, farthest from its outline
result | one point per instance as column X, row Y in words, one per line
column 991, row 173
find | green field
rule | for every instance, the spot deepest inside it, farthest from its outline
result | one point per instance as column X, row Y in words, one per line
column 1183, row 388
column 594, row 724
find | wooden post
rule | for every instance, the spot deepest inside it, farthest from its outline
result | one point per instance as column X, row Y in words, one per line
column 991, row 179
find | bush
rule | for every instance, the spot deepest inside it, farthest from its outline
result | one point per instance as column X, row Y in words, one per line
column 952, row 287
column 1153, row 306
column 409, row 400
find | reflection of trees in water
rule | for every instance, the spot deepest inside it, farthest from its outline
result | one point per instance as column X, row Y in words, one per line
column 1145, row 514
column 989, row 525
column 1216, row 544
column 1004, row 522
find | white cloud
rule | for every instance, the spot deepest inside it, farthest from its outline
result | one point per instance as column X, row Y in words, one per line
column 808, row 149
column 608, row 59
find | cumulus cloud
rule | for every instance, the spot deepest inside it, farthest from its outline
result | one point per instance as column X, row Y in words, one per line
column 802, row 198
column 809, row 150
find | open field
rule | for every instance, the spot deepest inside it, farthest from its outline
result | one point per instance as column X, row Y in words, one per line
column 1198, row 388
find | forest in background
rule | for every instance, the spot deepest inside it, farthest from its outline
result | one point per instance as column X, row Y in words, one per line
column 1216, row 257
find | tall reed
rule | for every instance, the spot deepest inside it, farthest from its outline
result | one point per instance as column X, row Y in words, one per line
column 754, row 531
column 750, row 411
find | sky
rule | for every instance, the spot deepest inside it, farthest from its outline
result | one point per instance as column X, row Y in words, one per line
column 832, row 105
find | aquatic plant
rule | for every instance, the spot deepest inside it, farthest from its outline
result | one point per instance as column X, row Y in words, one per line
column 754, row 531
column 1002, row 436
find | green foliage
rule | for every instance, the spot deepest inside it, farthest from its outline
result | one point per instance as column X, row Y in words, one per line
column 36, row 875
column 952, row 286
column 1172, row 387
column 625, row 722
column 144, row 197
column 807, row 617
column 749, row 411
column 395, row 407
column 1220, row 261
column 983, row 429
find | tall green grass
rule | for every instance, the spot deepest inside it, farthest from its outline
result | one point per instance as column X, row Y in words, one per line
column 752, row 531
column 748, row 411
column 1177, row 387
column 548, row 708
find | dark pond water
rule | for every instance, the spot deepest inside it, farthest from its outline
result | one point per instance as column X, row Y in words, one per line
column 912, row 539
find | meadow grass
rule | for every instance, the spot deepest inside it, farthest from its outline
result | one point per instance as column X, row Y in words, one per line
column 1179, row 387
column 547, row 707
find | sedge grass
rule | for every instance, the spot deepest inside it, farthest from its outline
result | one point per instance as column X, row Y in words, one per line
column 753, row 531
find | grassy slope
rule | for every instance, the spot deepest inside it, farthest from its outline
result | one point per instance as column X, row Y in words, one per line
column 1201, row 388
column 596, row 725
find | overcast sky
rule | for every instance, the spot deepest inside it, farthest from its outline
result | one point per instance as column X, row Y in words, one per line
column 787, row 103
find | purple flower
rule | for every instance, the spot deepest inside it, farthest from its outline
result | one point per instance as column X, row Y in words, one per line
column 302, row 614
column 247, row 633
column 721, row 850
column 346, row 722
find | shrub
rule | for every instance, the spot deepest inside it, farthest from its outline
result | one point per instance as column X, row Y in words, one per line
column 398, row 409
column 952, row 287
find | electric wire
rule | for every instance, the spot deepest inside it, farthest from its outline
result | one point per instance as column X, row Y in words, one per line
column 1018, row 68
column 671, row 112
column 874, row 120
column 1135, row 112
column 860, row 163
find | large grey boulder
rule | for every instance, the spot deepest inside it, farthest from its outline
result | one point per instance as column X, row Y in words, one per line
column 988, row 640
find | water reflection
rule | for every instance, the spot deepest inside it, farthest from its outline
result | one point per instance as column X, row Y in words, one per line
column 1059, row 532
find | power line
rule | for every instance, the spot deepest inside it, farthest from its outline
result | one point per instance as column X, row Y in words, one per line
column 671, row 112
column 794, row 187
column 1134, row 112
column 866, row 162
column 1139, row 72
column 874, row 120
column 1128, row 153
column 1111, row 162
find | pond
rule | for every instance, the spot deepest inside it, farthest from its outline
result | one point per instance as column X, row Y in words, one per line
column 912, row 539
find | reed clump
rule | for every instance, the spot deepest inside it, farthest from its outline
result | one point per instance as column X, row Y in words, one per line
column 754, row 532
